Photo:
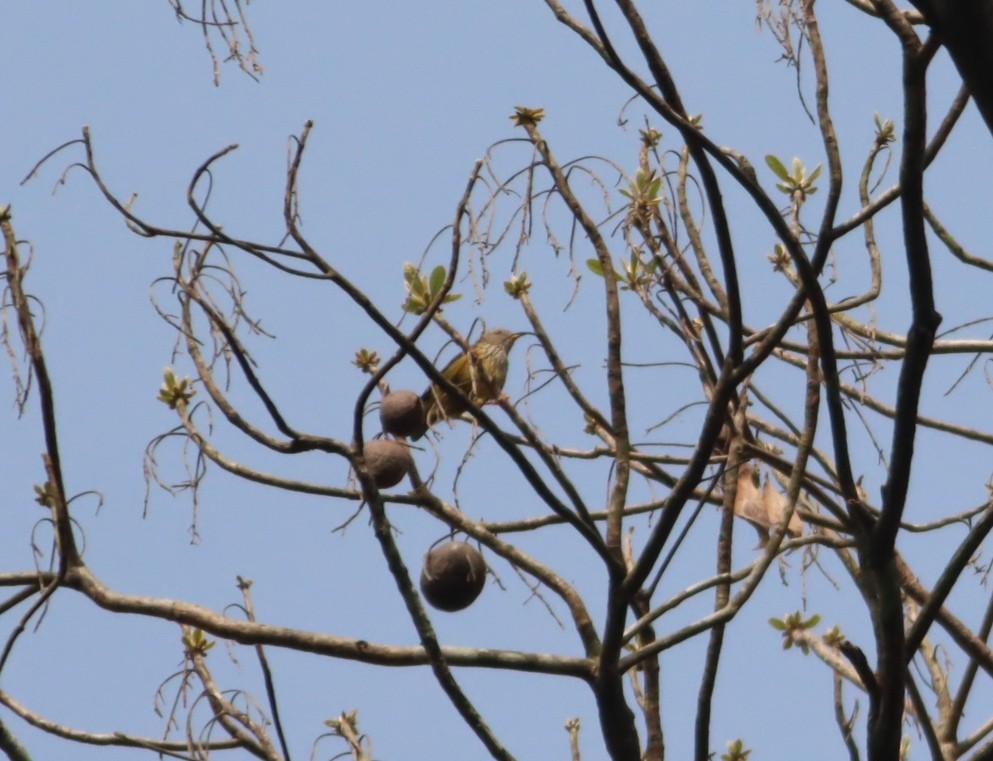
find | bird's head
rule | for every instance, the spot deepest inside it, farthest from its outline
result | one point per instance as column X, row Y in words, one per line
column 500, row 337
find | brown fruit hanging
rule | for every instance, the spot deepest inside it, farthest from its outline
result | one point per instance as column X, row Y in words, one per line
column 401, row 413
column 453, row 576
column 387, row 461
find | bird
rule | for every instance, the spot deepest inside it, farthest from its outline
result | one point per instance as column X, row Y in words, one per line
column 479, row 374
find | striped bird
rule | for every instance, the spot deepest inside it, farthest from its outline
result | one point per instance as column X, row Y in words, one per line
column 479, row 374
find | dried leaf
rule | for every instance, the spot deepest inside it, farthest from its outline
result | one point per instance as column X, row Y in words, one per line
column 762, row 507
column 775, row 506
column 748, row 503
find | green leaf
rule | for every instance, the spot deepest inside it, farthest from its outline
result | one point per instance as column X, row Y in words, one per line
column 775, row 623
column 777, row 167
column 173, row 391
column 422, row 290
column 418, row 287
column 517, row 285
column 595, row 266
column 437, row 279
column 816, row 173
column 196, row 642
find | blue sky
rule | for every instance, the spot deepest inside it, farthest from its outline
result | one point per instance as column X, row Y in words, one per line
column 405, row 97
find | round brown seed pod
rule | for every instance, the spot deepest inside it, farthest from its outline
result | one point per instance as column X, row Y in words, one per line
column 401, row 413
column 453, row 576
column 387, row 461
